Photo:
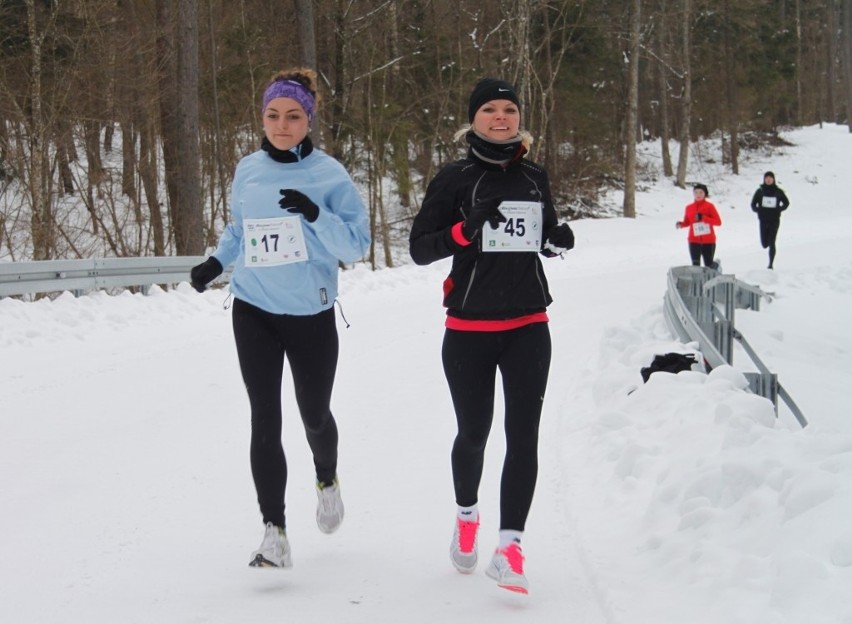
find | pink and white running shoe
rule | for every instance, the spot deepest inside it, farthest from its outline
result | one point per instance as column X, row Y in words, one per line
column 507, row 568
column 463, row 547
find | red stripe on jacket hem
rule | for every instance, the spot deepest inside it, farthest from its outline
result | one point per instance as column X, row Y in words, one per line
column 493, row 325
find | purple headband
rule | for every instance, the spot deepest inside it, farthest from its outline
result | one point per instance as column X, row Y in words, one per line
column 293, row 90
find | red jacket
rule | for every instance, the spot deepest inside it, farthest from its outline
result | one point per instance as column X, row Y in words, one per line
column 709, row 217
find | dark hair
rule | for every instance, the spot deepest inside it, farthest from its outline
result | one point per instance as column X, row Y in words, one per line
column 703, row 187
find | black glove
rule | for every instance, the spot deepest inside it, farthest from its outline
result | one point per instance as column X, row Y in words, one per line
column 296, row 201
column 698, row 216
column 559, row 238
column 484, row 210
column 204, row 273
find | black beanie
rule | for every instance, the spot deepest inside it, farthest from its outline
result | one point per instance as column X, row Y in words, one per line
column 703, row 187
column 770, row 174
column 489, row 89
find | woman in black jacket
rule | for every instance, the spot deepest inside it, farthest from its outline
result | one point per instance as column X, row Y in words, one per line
column 493, row 213
column 769, row 201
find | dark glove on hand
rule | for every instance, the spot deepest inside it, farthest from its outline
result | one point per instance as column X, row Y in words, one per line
column 204, row 273
column 698, row 216
column 560, row 238
column 296, row 201
column 484, row 210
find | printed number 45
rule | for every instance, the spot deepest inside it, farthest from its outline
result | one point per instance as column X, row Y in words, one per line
column 515, row 227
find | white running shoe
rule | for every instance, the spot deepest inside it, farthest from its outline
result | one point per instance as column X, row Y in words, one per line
column 507, row 568
column 463, row 551
column 329, row 507
column 274, row 551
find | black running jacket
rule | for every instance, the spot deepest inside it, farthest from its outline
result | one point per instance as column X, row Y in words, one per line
column 487, row 286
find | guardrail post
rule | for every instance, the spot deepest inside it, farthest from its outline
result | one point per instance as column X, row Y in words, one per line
column 723, row 336
column 765, row 385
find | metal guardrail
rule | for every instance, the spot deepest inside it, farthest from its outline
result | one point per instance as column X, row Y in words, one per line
column 699, row 307
column 80, row 276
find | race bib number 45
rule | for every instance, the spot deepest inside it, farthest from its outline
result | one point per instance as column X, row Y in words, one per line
column 520, row 232
column 269, row 242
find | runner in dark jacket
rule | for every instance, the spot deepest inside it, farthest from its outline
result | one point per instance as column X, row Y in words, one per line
column 493, row 213
column 769, row 201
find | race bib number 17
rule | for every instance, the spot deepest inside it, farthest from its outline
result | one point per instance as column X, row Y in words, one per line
column 270, row 242
column 520, row 232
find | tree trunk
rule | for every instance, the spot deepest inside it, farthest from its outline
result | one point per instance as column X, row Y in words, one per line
column 686, row 103
column 519, row 58
column 731, row 91
column 149, row 178
column 663, row 90
column 847, row 58
column 632, row 113
column 65, row 154
column 189, row 219
column 166, row 80
column 128, row 152
column 399, row 137
column 831, row 51
column 221, row 176
column 340, row 74
column 307, row 39
column 42, row 210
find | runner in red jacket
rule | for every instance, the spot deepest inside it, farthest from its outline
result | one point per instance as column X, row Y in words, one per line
column 701, row 218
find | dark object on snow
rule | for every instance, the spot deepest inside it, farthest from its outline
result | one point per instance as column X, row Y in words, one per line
column 669, row 363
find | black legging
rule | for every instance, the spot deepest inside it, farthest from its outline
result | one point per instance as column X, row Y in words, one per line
column 768, row 234
column 699, row 251
column 310, row 344
column 471, row 360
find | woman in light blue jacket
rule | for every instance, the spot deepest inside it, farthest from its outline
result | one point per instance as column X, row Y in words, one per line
column 295, row 214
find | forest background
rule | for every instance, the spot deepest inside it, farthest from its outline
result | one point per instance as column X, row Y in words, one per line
column 121, row 121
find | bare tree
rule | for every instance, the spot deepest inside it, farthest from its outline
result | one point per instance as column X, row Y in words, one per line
column 307, row 39
column 798, row 21
column 663, row 94
column 42, row 207
column 847, row 58
column 732, row 111
column 629, row 208
column 167, row 98
column 686, row 97
column 178, row 61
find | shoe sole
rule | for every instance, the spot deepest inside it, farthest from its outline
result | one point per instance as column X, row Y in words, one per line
column 329, row 530
column 518, row 589
column 464, row 569
column 262, row 562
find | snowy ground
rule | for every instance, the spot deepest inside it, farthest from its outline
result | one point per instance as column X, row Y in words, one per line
column 126, row 493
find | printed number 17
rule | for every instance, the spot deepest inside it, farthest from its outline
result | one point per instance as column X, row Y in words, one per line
column 265, row 242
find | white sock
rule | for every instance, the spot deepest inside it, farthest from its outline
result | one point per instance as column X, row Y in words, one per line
column 468, row 514
column 509, row 537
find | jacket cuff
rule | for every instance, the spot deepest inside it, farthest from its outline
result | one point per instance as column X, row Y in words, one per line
column 458, row 237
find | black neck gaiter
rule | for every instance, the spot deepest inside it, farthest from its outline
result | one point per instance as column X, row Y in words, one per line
column 499, row 152
column 288, row 156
